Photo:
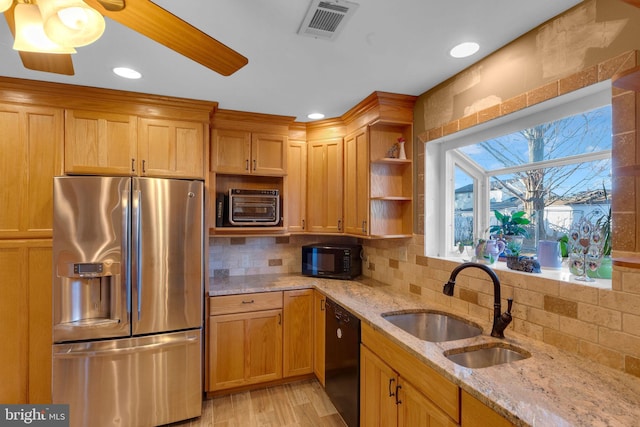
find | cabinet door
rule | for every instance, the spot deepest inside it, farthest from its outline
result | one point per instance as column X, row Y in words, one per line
column 356, row 188
column 378, row 388
column 100, row 143
column 231, row 151
column 324, row 207
column 414, row 409
column 298, row 333
column 25, row 321
column 477, row 414
column 171, row 148
column 268, row 154
column 245, row 348
column 297, row 185
column 31, row 155
column 319, row 315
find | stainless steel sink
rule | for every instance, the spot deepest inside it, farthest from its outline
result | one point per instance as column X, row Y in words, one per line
column 483, row 357
column 433, row 326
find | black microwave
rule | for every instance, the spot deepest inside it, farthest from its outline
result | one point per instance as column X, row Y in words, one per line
column 332, row 261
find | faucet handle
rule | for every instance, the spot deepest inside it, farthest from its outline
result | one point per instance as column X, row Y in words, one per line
column 509, row 305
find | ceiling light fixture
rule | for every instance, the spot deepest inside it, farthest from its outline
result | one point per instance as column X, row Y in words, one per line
column 55, row 26
column 464, row 49
column 71, row 22
column 5, row 5
column 30, row 35
column 127, row 73
column 315, row 116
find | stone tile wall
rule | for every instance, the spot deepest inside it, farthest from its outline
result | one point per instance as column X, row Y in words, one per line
column 602, row 325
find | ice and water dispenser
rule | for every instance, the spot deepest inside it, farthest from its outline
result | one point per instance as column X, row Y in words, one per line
column 86, row 294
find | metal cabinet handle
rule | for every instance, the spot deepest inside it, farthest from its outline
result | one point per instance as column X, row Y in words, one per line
column 303, row 225
column 255, row 164
column 339, row 225
column 322, row 304
column 364, row 226
column 133, row 165
column 144, row 166
column 248, row 302
column 398, row 401
column 279, row 318
column 391, row 392
column 246, row 165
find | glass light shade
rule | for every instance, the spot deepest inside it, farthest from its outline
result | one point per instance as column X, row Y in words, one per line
column 30, row 36
column 71, row 22
column 5, row 4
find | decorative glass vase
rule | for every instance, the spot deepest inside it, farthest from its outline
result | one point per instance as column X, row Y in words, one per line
column 585, row 249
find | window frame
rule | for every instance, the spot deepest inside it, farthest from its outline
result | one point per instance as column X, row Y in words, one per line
column 440, row 163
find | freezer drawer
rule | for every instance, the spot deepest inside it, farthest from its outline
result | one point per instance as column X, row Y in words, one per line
column 146, row 381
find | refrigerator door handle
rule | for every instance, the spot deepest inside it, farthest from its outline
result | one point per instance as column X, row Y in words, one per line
column 137, row 245
column 70, row 353
column 126, row 228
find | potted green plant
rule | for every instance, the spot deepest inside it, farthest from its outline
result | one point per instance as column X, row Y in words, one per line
column 510, row 229
column 510, row 225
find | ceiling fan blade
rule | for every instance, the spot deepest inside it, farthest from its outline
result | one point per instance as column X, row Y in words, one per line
column 167, row 29
column 48, row 62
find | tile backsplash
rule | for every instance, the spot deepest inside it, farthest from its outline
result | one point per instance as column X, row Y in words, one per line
column 602, row 325
column 239, row 256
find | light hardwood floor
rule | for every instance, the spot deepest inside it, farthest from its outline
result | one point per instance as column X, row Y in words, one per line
column 301, row 403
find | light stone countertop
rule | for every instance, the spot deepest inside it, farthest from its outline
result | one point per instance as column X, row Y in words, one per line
column 552, row 388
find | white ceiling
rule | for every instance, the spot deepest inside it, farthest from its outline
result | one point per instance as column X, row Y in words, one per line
column 396, row 46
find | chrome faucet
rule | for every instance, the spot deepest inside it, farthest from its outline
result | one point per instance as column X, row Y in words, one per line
column 500, row 321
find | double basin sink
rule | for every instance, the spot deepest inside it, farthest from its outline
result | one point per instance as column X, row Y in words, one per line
column 436, row 326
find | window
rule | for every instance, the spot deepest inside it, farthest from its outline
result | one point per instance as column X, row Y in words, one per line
column 552, row 160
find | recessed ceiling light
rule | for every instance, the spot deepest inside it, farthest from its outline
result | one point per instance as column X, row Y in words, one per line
column 127, row 73
column 316, row 116
column 464, row 49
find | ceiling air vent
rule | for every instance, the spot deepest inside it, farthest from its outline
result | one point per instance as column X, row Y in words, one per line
column 325, row 19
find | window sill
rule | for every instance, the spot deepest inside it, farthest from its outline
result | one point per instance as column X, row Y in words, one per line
column 561, row 275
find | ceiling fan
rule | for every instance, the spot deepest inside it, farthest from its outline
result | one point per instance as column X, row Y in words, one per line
column 148, row 19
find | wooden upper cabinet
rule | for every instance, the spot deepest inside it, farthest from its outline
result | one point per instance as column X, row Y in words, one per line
column 99, row 143
column 171, row 148
column 324, row 186
column 297, row 186
column 231, row 151
column 32, row 144
column 243, row 152
column 268, row 154
column 356, row 183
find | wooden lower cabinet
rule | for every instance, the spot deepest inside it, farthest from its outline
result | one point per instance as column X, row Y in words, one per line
column 400, row 390
column 298, row 333
column 378, row 386
column 477, row 414
column 388, row 400
column 259, row 337
column 319, row 315
column 245, row 348
column 25, row 321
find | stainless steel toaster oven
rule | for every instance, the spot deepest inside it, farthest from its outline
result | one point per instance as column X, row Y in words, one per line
column 253, row 207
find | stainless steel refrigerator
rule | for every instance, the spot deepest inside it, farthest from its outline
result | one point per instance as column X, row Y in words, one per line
column 127, row 299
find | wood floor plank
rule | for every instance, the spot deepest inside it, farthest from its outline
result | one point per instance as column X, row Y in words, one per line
column 299, row 404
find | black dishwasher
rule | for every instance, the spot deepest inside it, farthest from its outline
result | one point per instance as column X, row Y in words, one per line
column 342, row 362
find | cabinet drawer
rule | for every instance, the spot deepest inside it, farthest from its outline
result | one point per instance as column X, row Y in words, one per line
column 242, row 303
